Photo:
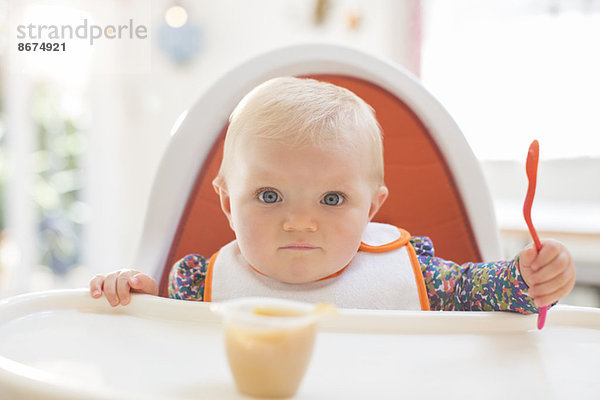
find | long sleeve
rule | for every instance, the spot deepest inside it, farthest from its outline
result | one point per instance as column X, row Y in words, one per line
column 186, row 279
column 493, row 286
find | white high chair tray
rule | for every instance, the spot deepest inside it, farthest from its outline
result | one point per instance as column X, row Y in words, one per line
column 66, row 345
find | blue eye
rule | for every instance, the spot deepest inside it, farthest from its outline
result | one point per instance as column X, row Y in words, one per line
column 333, row 199
column 269, row 196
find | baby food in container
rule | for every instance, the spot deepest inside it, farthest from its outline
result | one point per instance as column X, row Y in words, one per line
column 269, row 343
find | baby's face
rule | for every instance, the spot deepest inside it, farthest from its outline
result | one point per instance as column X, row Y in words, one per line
column 299, row 214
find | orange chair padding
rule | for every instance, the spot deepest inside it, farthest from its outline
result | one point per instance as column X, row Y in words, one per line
column 423, row 196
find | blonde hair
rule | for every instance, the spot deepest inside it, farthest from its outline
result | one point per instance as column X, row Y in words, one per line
column 305, row 112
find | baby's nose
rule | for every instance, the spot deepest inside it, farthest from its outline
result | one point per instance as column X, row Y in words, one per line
column 300, row 221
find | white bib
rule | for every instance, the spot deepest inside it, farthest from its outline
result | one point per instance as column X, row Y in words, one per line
column 380, row 276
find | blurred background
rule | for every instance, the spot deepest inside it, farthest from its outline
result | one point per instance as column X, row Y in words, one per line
column 81, row 137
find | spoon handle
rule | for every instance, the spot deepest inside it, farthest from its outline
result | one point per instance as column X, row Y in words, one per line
column 531, row 167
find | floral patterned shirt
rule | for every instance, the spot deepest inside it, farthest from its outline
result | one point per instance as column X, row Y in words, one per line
column 493, row 286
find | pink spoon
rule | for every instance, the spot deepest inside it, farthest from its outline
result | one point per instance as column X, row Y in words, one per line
column 531, row 167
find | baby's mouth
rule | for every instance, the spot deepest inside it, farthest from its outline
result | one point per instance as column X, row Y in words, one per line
column 299, row 247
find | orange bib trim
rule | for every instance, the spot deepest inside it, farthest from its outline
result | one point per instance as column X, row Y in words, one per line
column 416, row 266
column 393, row 245
column 209, row 278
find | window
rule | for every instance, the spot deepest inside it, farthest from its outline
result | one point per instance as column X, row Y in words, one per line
column 510, row 72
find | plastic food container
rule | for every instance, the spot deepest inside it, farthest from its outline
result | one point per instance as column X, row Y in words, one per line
column 269, row 343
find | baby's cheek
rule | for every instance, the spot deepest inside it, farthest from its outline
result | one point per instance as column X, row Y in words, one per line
column 256, row 244
column 344, row 249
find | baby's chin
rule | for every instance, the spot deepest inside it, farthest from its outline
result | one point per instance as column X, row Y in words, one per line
column 298, row 275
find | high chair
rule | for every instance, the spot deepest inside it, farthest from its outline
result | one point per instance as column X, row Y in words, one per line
column 436, row 184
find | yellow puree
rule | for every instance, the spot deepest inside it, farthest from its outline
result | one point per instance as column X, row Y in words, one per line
column 269, row 361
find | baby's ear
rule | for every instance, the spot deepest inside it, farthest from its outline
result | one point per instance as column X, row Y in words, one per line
column 221, row 189
column 217, row 184
column 379, row 198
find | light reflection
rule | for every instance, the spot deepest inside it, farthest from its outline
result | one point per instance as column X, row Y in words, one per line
column 176, row 16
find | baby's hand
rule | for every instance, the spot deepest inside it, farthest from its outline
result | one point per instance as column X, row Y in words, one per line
column 550, row 274
column 118, row 285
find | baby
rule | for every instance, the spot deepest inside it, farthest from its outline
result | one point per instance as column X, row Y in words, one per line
column 300, row 181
